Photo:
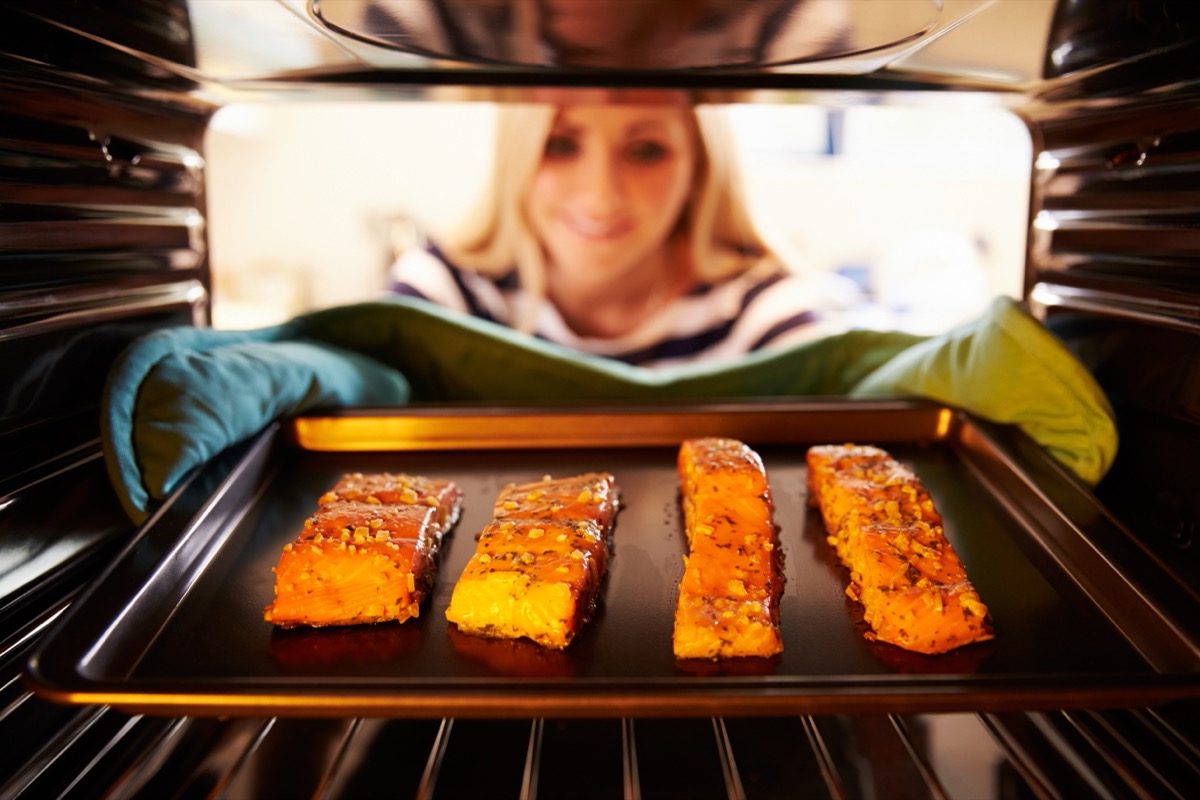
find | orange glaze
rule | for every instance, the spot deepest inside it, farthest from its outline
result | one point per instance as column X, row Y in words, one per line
column 883, row 524
column 728, row 602
column 368, row 553
column 538, row 564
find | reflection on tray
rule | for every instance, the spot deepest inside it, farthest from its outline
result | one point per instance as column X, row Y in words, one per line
column 517, row 657
column 747, row 666
column 963, row 661
column 349, row 644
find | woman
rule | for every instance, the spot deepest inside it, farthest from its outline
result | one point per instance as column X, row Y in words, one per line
column 617, row 228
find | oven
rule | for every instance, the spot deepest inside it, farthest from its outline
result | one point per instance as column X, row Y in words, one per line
column 104, row 203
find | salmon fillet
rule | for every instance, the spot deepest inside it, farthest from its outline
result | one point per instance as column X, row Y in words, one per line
column 368, row 553
column 882, row 523
column 728, row 601
column 538, row 564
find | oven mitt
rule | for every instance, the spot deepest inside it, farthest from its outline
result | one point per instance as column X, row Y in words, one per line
column 179, row 396
column 1006, row 367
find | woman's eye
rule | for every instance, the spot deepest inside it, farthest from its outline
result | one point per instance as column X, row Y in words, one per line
column 558, row 146
column 647, row 152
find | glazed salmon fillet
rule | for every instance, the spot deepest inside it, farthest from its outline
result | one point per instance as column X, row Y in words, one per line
column 538, row 564
column 367, row 554
column 728, row 602
column 882, row 523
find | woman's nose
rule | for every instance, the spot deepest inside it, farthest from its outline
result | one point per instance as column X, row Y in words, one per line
column 600, row 183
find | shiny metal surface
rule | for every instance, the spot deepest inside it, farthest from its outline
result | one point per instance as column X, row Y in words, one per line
column 467, row 428
column 1113, row 248
column 101, row 214
column 176, row 627
column 1086, row 34
column 225, row 48
column 1114, row 201
column 638, row 34
column 919, row 756
column 96, row 751
column 1109, row 89
column 1046, row 299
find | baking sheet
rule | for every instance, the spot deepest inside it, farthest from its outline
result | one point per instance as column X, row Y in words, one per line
column 176, row 624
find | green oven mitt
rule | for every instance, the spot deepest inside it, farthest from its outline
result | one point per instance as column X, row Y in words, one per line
column 1006, row 367
column 1003, row 366
column 448, row 357
column 179, row 396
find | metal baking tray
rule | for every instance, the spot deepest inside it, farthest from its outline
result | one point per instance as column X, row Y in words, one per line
column 175, row 625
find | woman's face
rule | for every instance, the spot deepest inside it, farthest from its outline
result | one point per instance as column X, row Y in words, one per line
column 612, row 182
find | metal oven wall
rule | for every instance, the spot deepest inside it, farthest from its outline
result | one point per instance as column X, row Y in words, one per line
column 1114, row 245
column 102, row 238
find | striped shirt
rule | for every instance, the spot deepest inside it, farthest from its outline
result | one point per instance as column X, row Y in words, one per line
column 764, row 307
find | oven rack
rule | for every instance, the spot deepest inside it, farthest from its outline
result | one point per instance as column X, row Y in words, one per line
column 89, row 751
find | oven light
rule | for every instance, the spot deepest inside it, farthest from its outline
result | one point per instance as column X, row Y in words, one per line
column 1058, row 56
column 944, row 421
column 1044, row 221
column 1046, row 161
column 192, row 160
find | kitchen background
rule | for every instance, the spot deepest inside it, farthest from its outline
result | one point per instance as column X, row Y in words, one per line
column 918, row 209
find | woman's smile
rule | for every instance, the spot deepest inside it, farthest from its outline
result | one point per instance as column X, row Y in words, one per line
column 597, row 229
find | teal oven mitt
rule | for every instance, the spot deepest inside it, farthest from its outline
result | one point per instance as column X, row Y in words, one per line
column 179, row 396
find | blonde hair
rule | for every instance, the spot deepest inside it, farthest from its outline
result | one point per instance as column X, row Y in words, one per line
column 496, row 236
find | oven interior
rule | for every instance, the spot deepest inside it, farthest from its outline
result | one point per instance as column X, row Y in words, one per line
column 104, row 235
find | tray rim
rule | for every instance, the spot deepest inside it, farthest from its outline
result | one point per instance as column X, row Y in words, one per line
column 478, row 426
column 789, row 695
column 1065, row 692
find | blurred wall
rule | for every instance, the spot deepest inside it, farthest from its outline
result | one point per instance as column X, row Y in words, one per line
column 302, row 196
